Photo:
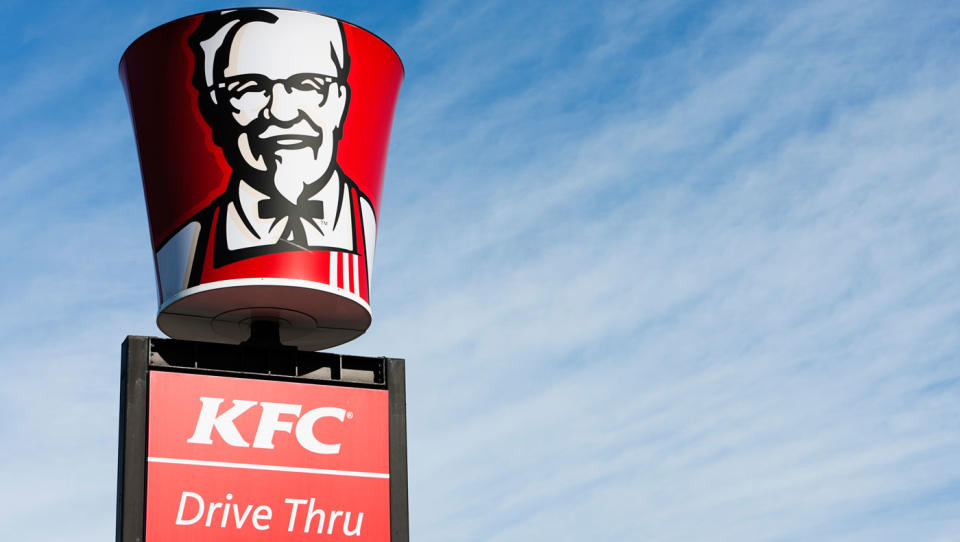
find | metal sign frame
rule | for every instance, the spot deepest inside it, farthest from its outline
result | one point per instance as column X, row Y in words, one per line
column 140, row 355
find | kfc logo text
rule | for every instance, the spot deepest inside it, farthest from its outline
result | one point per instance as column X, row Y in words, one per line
column 302, row 427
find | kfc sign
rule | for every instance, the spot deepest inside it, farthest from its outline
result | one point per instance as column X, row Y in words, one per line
column 269, row 424
column 237, row 459
column 262, row 136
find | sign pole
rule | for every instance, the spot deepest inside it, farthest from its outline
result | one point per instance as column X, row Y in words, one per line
column 132, row 441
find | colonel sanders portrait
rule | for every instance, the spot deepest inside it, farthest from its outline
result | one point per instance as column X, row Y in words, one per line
column 272, row 86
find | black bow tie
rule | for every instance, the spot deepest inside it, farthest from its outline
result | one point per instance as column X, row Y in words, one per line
column 279, row 208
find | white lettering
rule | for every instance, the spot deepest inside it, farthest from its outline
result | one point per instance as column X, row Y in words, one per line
column 270, row 423
column 226, row 512
column 211, row 418
column 183, row 500
column 356, row 528
column 326, row 520
column 239, row 520
column 293, row 511
column 212, row 509
column 262, row 512
column 305, row 434
column 333, row 519
column 261, row 515
column 310, row 515
column 208, row 420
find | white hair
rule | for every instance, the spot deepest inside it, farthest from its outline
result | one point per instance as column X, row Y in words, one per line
column 311, row 23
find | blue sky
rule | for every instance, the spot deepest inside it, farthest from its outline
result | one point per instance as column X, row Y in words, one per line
column 661, row 271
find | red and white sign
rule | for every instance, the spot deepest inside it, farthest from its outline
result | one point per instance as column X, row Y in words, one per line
column 235, row 459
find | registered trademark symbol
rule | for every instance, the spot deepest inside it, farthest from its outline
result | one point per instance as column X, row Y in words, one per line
column 350, row 415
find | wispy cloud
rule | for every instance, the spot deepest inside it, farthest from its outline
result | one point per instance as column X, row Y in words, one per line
column 711, row 315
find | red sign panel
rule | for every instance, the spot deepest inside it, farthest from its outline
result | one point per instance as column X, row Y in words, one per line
column 234, row 459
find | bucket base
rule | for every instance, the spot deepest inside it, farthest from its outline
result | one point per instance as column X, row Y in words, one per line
column 308, row 318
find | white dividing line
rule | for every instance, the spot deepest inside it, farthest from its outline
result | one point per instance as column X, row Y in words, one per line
column 280, row 468
column 356, row 275
column 334, row 266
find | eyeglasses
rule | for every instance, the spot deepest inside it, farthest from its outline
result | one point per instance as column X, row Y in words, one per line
column 238, row 86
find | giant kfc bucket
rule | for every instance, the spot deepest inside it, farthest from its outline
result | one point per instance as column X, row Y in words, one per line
column 262, row 136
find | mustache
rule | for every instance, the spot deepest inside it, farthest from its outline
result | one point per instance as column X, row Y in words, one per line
column 301, row 128
column 272, row 135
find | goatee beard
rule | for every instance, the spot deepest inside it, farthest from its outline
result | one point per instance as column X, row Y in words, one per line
column 290, row 172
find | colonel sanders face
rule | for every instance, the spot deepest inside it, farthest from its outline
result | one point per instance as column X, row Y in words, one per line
column 279, row 95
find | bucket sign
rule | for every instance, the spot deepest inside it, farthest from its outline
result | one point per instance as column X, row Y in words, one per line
column 262, row 136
